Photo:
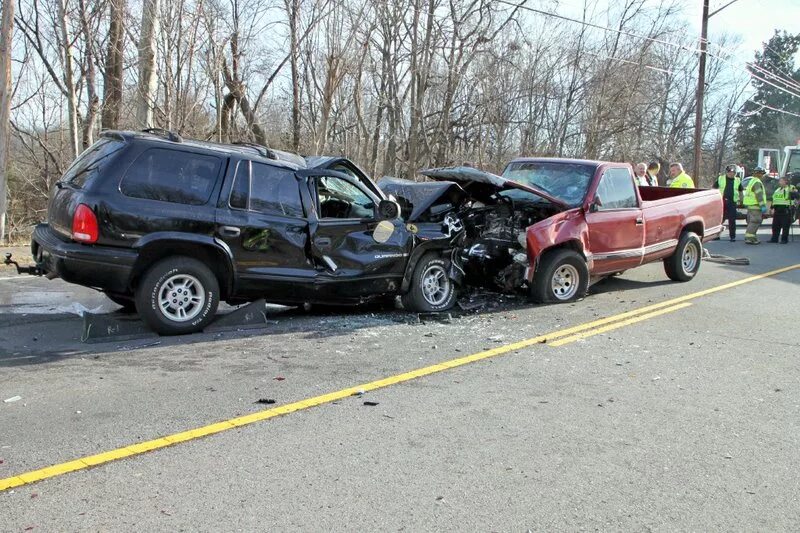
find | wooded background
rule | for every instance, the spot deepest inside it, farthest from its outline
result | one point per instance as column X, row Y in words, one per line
column 395, row 85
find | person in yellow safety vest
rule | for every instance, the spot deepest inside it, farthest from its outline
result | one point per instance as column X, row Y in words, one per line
column 680, row 179
column 755, row 200
column 730, row 187
column 782, row 200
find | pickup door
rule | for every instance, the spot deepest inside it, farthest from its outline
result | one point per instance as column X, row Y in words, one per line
column 615, row 223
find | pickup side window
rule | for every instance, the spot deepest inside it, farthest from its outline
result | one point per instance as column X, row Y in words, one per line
column 616, row 190
column 266, row 189
column 171, row 176
column 339, row 198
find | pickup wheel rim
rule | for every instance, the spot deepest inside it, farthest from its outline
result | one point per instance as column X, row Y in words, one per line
column 565, row 281
column 689, row 258
column 435, row 285
column 181, row 298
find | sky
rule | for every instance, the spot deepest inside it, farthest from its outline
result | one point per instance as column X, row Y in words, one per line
column 754, row 21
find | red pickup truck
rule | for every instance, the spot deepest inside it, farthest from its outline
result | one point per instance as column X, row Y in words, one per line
column 578, row 221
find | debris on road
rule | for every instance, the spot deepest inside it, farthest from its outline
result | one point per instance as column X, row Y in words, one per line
column 12, row 399
column 268, row 401
column 279, row 378
column 724, row 259
column 371, row 403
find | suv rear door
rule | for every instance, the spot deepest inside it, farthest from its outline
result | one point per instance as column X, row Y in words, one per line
column 261, row 218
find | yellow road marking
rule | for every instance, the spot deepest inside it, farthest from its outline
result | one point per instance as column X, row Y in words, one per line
column 567, row 335
column 615, row 325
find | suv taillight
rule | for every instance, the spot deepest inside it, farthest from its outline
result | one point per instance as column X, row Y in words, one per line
column 84, row 225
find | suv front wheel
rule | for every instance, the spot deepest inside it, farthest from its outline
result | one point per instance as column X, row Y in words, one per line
column 177, row 295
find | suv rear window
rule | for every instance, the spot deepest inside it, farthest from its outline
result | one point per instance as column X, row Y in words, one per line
column 172, row 176
column 90, row 161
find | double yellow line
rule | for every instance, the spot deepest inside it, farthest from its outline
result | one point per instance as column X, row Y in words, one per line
column 556, row 338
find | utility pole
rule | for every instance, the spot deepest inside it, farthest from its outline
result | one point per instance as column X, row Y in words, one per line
column 6, row 35
column 701, row 89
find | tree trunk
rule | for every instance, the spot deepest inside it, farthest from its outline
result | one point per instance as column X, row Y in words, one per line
column 112, row 92
column 93, row 101
column 6, row 34
column 72, row 98
column 293, row 6
column 146, row 95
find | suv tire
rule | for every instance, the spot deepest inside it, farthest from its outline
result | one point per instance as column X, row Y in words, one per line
column 685, row 262
column 177, row 295
column 431, row 289
column 562, row 277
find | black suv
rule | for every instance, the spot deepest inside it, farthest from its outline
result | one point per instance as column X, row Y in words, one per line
column 172, row 227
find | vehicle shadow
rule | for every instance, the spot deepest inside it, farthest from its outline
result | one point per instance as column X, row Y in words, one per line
column 617, row 284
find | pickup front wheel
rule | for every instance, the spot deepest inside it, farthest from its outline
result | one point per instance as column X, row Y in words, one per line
column 177, row 295
column 562, row 276
column 685, row 262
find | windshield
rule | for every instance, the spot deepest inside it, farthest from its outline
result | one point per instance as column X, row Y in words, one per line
column 793, row 164
column 566, row 181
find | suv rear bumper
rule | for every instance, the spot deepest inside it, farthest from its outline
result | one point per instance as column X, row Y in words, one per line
column 101, row 267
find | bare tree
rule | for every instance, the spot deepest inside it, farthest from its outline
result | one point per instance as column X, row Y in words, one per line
column 6, row 36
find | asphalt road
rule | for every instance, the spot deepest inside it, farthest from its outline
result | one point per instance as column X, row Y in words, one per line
column 687, row 420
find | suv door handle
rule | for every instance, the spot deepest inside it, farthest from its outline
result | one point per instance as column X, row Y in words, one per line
column 322, row 241
column 229, row 231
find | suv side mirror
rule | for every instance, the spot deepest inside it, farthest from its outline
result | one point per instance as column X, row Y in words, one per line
column 388, row 210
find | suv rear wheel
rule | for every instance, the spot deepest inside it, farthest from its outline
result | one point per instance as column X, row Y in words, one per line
column 177, row 295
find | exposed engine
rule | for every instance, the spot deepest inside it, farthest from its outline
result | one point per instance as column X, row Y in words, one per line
column 494, row 252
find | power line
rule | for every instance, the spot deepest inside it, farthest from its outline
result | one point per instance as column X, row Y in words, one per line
column 643, row 37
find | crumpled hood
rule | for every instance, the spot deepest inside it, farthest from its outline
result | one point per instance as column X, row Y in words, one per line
column 467, row 175
column 421, row 195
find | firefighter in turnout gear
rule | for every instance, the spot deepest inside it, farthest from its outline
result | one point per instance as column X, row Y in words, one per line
column 730, row 187
column 782, row 200
column 754, row 200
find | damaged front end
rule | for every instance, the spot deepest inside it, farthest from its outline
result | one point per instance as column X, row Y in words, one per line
column 478, row 207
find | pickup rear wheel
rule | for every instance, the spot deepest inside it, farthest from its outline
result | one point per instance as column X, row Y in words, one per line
column 562, row 276
column 685, row 262
column 177, row 295
column 431, row 288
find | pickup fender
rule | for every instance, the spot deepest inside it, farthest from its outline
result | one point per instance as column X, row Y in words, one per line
column 216, row 253
column 563, row 230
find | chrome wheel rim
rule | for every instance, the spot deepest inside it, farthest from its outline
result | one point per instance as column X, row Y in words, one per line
column 181, row 298
column 435, row 285
column 690, row 257
column 565, row 281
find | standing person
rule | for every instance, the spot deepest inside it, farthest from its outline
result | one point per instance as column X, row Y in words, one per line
column 730, row 187
column 640, row 171
column 782, row 200
column 652, row 173
column 680, row 179
column 755, row 200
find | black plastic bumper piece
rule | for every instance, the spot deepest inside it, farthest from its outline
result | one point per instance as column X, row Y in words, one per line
column 101, row 267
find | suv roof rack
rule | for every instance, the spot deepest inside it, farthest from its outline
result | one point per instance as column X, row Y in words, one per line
column 261, row 149
column 169, row 135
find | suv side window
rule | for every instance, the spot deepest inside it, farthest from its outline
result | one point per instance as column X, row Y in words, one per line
column 266, row 189
column 339, row 198
column 90, row 161
column 171, row 176
column 616, row 190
